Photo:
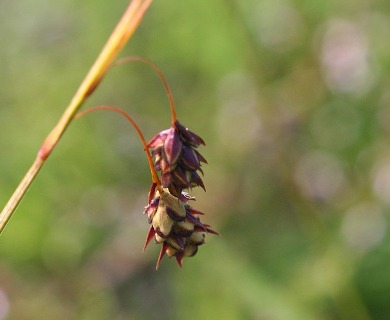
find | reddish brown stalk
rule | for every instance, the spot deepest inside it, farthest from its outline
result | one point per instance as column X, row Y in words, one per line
column 163, row 80
column 155, row 178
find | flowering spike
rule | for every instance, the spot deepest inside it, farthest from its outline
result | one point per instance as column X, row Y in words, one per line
column 176, row 157
column 175, row 225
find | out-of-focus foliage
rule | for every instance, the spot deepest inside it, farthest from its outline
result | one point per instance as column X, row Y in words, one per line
column 293, row 100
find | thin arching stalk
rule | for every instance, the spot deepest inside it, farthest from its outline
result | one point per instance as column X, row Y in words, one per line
column 119, row 37
column 163, row 80
column 155, row 178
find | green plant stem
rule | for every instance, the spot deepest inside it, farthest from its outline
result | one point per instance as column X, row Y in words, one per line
column 119, row 37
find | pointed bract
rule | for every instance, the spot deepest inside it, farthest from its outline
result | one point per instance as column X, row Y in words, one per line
column 149, row 237
column 190, row 137
column 179, row 259
column 197, row 181
column 164, row 248
column 199, row 156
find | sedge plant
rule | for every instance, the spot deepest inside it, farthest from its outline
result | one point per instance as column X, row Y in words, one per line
column 174, row 161
column 174, row 223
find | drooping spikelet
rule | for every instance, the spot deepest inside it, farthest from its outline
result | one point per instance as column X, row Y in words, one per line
column 174, row 223
column 175, row 164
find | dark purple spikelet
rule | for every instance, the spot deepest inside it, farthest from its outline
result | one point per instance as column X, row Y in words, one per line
column 176, row 157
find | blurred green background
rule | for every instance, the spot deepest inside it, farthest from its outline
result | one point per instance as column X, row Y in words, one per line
column 293, row 100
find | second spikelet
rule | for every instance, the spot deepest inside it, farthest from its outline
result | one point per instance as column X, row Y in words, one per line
column 175, row 225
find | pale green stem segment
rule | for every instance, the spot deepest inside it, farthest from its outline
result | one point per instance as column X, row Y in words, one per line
column 119, row 37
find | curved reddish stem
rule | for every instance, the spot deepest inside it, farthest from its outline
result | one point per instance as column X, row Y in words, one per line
column 155, row 178
column 162, row 77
